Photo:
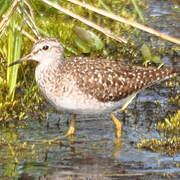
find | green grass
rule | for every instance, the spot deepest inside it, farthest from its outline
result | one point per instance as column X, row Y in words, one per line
column 14, row 40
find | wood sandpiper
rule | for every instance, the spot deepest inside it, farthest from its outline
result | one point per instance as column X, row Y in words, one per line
column 89, row 86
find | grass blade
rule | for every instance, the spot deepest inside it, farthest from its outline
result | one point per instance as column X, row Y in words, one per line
column 14, row 47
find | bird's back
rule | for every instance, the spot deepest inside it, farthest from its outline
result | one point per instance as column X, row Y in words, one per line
column 111, row 81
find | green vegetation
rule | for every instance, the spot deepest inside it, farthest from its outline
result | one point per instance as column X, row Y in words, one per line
column 14, row 49
column 170, row 146
column 53, row 24
column 170, row 125
column 170, row 130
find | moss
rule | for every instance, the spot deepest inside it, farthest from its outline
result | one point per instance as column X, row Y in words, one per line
column 24, row 105
column 170, row 125
column 175, row 100
column 170, row 129
column 16, row 151
column 169, row 146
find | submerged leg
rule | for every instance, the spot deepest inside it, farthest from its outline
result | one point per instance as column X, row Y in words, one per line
column 70, row 132
column 118, row 133
column 72, row 128
column 118, row 126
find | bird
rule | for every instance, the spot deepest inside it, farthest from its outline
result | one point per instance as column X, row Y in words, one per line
column 91, row 86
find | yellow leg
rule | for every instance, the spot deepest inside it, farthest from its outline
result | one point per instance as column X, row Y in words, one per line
column 118, row 126
column 72, row 128
column 118, row 133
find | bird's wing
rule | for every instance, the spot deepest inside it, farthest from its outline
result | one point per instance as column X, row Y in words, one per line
column 111, row 81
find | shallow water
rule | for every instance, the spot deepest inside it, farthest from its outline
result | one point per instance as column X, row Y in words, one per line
column 94, row 155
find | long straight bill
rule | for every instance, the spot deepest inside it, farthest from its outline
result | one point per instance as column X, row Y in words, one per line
column 26, row 58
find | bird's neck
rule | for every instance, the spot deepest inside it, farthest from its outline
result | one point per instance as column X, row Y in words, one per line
column 46, row 73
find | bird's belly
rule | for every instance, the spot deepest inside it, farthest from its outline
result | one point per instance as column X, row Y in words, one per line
column 79, row 104
column 73, row 100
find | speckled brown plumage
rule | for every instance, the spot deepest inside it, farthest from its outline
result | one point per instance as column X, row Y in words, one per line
column 111, row 81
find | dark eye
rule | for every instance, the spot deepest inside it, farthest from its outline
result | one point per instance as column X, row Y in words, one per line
column 45, row 47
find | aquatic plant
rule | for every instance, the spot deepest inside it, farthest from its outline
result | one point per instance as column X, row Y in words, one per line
column 169, row 146
column 170, row 125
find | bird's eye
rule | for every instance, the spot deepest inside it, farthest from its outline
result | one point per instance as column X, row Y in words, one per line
column 45, row 47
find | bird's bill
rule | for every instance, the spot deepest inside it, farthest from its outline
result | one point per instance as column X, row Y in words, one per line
column 26, row 58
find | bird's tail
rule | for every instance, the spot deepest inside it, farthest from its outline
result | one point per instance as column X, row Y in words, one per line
column 158, row 75
column 172, row 71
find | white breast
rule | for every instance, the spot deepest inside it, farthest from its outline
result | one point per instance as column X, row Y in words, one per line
column 78, row 103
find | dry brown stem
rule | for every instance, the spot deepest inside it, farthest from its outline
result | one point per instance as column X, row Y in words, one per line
column 126, row 21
